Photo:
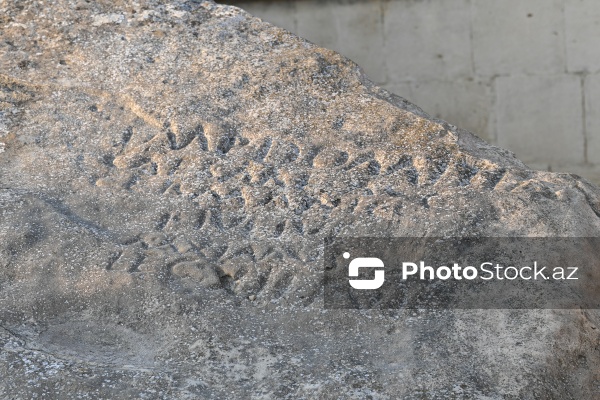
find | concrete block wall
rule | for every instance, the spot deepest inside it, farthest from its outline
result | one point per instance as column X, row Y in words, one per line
column 524, row 75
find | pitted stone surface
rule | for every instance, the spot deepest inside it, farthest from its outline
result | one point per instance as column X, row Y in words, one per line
column 168, row 173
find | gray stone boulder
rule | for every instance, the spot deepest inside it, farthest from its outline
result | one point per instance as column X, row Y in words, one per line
column 168, row 173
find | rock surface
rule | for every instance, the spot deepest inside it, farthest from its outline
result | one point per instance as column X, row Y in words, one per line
column 168, row 172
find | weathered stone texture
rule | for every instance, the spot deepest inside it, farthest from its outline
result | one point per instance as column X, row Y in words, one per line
column 170, row 171
column 447, row 56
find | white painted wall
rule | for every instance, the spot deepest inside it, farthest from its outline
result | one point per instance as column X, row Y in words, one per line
column 523, row 74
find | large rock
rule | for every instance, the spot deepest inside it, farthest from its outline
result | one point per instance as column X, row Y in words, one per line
column 168, row 172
